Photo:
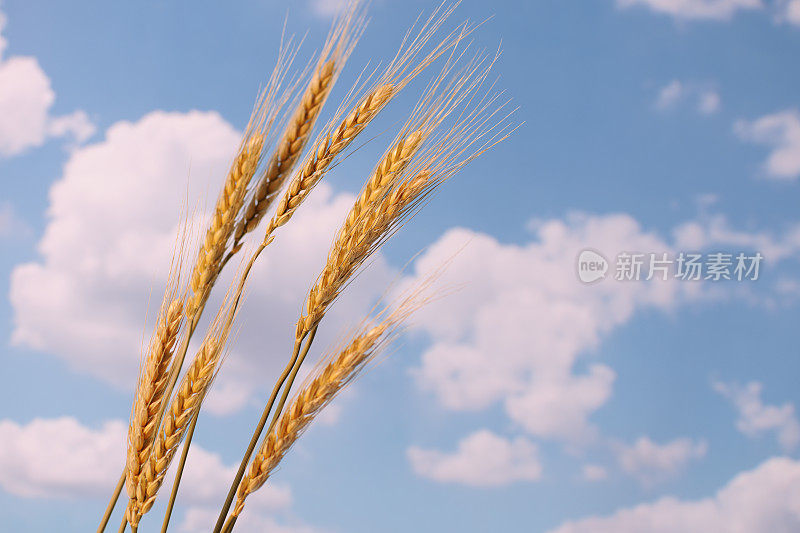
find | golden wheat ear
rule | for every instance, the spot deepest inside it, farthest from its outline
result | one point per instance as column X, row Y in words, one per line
column 245, row 165
column 342, row 39
column 351, row 119
column 417, row 163
column 185, row 405
column 340, row 369
column 151, row 390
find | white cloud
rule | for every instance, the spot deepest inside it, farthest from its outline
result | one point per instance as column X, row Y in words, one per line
column 756, row 418
column 650, row 462
column 520, row 331
column 594, row 472
column 789, row 11
column 695, row 9
column 113, row 221
column 670, row 94
column 716, row 231
column 3, row 42
column 766, row 498
column 514, row 331
column 482, row 459
column 328, row 8
column 59, row 458
column 76, row 124
column 781, row 132
column 26, row 96
column 706, row 100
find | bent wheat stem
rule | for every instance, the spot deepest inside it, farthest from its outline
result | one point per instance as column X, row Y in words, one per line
column 257, row 433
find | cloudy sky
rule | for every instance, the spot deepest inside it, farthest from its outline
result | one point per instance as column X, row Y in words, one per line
column 527, row 400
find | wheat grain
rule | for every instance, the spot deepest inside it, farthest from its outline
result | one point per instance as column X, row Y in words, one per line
column 150, row 392
column 288, row 151
column 206, row 267
column 331, row 145
column 331, row 379
column 184, row 406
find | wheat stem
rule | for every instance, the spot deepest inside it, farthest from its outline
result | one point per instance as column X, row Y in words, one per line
column 296, row 354
column 310, row 401
column 123, row 525
column 112, row 503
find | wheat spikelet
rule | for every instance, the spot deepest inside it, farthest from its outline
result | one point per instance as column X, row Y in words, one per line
column 326, row 150
column 289, row 148
column 331, row 379
column 334, row 141
column 388, row 197
column 229, row 203
column 348, row 251
column 184, row 406
column 150, row 392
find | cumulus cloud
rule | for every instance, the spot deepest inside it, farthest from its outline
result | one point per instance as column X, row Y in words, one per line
column 113, row 219
column 26, row 96
column 781, row 132
column 62, row 458
column 515, row 330
column 520, row 331
column 705, row 99
column 651, row 462
column 695, row 9
column 58, row 458
column 766, row 498
column 756, row 418
column 482, row 459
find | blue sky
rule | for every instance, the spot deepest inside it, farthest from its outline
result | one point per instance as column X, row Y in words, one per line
column 527, row 400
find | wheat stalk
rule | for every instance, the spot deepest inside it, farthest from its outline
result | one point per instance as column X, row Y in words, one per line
column 150, row 392
column 349, row 249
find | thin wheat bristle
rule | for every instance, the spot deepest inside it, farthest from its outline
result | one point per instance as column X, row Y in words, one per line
column 394, row 189
column 395, row 77
column 228, row 205
column 150, row 392
column 183, row 407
